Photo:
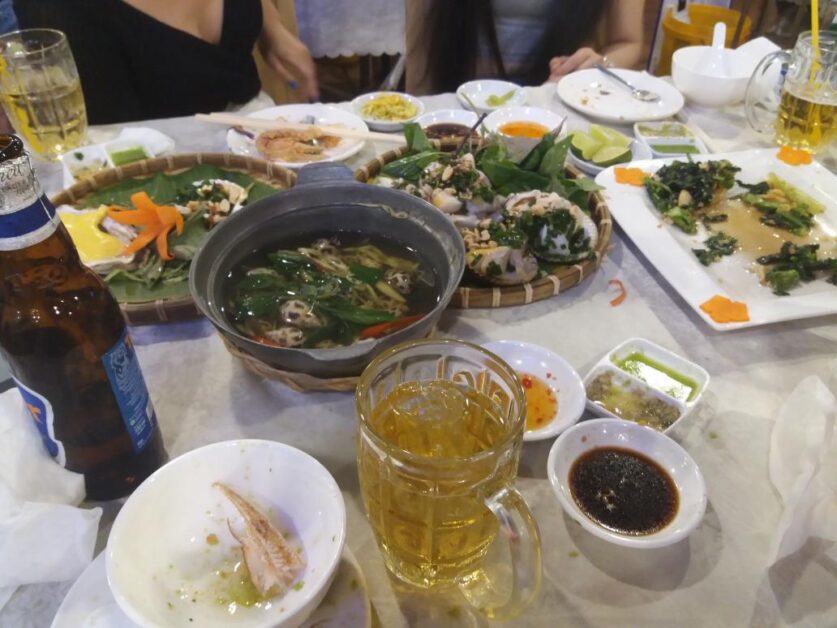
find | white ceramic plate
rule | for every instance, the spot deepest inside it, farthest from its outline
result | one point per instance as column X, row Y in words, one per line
column 551, row 369
column 322, row 114
column 639, row 151
column 670, row 250
column 164, row 574
column 387, row 126
column 479, row 91
column 594, row 94
column 675, row 460
column 89, row 603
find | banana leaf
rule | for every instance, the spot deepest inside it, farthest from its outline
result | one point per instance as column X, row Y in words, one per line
column 155, row 281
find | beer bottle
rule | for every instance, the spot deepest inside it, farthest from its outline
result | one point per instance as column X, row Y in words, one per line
column 67, row 345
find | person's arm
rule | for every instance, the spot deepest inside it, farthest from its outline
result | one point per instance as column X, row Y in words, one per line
column 286, row 54
column 623, row 19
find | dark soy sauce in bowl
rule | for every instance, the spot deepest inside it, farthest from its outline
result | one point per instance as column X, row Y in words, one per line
column 623, row 491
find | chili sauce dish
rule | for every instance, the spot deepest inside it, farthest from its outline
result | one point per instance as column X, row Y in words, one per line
column 554, row 391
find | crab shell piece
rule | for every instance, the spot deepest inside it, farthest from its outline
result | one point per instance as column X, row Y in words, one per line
column 556, row 248
column 502, row 265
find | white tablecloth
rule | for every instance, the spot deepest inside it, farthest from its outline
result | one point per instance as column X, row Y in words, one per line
column 717, row 577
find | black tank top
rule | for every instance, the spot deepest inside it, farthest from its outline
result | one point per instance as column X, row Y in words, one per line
column 134, row 67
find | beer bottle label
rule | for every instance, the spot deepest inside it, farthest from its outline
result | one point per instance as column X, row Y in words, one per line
column 123, row 370
column 26, row 214
column 41, row 411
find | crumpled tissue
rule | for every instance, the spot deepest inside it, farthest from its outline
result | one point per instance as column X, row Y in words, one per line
column 803, row 469
column 43, row 536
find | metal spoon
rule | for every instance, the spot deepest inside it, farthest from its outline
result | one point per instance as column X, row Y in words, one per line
column 640, row 94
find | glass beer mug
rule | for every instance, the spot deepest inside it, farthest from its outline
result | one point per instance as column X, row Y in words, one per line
column 440, row 428
column 793, row 94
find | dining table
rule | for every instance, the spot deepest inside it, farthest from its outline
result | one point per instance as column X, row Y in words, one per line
column 721, row 575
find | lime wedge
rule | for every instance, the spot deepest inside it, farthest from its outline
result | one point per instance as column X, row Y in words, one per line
column 584, row 145
column 609, row 137
column 611, row 155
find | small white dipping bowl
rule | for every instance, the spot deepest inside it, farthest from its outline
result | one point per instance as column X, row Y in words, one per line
column 447, row 116
column 387, row 126
column 675, row 460
column 519, row 147
column 158, row 555
column 552, row 370
column 710, row 90
column 479, row 91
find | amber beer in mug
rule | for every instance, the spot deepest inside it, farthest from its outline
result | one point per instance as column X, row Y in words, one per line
column 67, row 345
column 439, row 436
column 793, row 94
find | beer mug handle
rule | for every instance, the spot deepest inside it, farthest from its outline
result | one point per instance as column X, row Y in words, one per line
column 764, row 91
column 519, row 529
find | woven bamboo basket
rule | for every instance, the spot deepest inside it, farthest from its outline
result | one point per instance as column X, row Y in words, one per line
column 561, row 280
column 180, row 308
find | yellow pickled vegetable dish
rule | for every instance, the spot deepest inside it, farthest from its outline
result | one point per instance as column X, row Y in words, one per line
column 389, row 107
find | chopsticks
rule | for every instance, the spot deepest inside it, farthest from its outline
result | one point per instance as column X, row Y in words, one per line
column 231, row 119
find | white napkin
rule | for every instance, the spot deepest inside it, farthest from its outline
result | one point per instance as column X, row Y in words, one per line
column 803, row 468
column 43, row 536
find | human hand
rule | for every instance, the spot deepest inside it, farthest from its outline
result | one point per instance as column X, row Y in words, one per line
column 290, row 59
column 581, row 59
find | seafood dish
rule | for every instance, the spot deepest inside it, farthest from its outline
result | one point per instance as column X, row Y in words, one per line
column 518, row 220
column 140, row 234
column 295, row 146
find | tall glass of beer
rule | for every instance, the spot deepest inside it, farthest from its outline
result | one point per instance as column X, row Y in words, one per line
column 40, row 91
column 793, row 94
column 440, row 428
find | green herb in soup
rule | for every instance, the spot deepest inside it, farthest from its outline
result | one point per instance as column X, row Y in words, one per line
column 331, row 292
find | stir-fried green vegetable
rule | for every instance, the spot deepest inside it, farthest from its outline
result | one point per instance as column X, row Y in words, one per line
column 794, row 264
column 716, row 246
column 328, row 294
column 683, row 189
column 782, row 205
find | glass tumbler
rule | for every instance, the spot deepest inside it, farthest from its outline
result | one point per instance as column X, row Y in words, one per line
column 40, row 91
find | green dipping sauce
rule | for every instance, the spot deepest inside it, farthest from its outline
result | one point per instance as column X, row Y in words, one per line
column 675, row 149
column 659, row 377
column 127, row 155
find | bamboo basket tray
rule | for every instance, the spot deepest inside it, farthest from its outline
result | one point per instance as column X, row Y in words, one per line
column 561, row 280
column 178, row 308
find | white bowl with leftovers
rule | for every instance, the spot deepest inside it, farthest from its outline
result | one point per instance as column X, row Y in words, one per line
column 486, row 95
column 201, row 539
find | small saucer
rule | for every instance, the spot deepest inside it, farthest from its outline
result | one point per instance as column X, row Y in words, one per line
column 552, row 370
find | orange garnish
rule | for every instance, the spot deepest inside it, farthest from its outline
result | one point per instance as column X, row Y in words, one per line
column 631, row 176
column 794, row 156
column 156, row 222
column 623, row 293
column 724, row 310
